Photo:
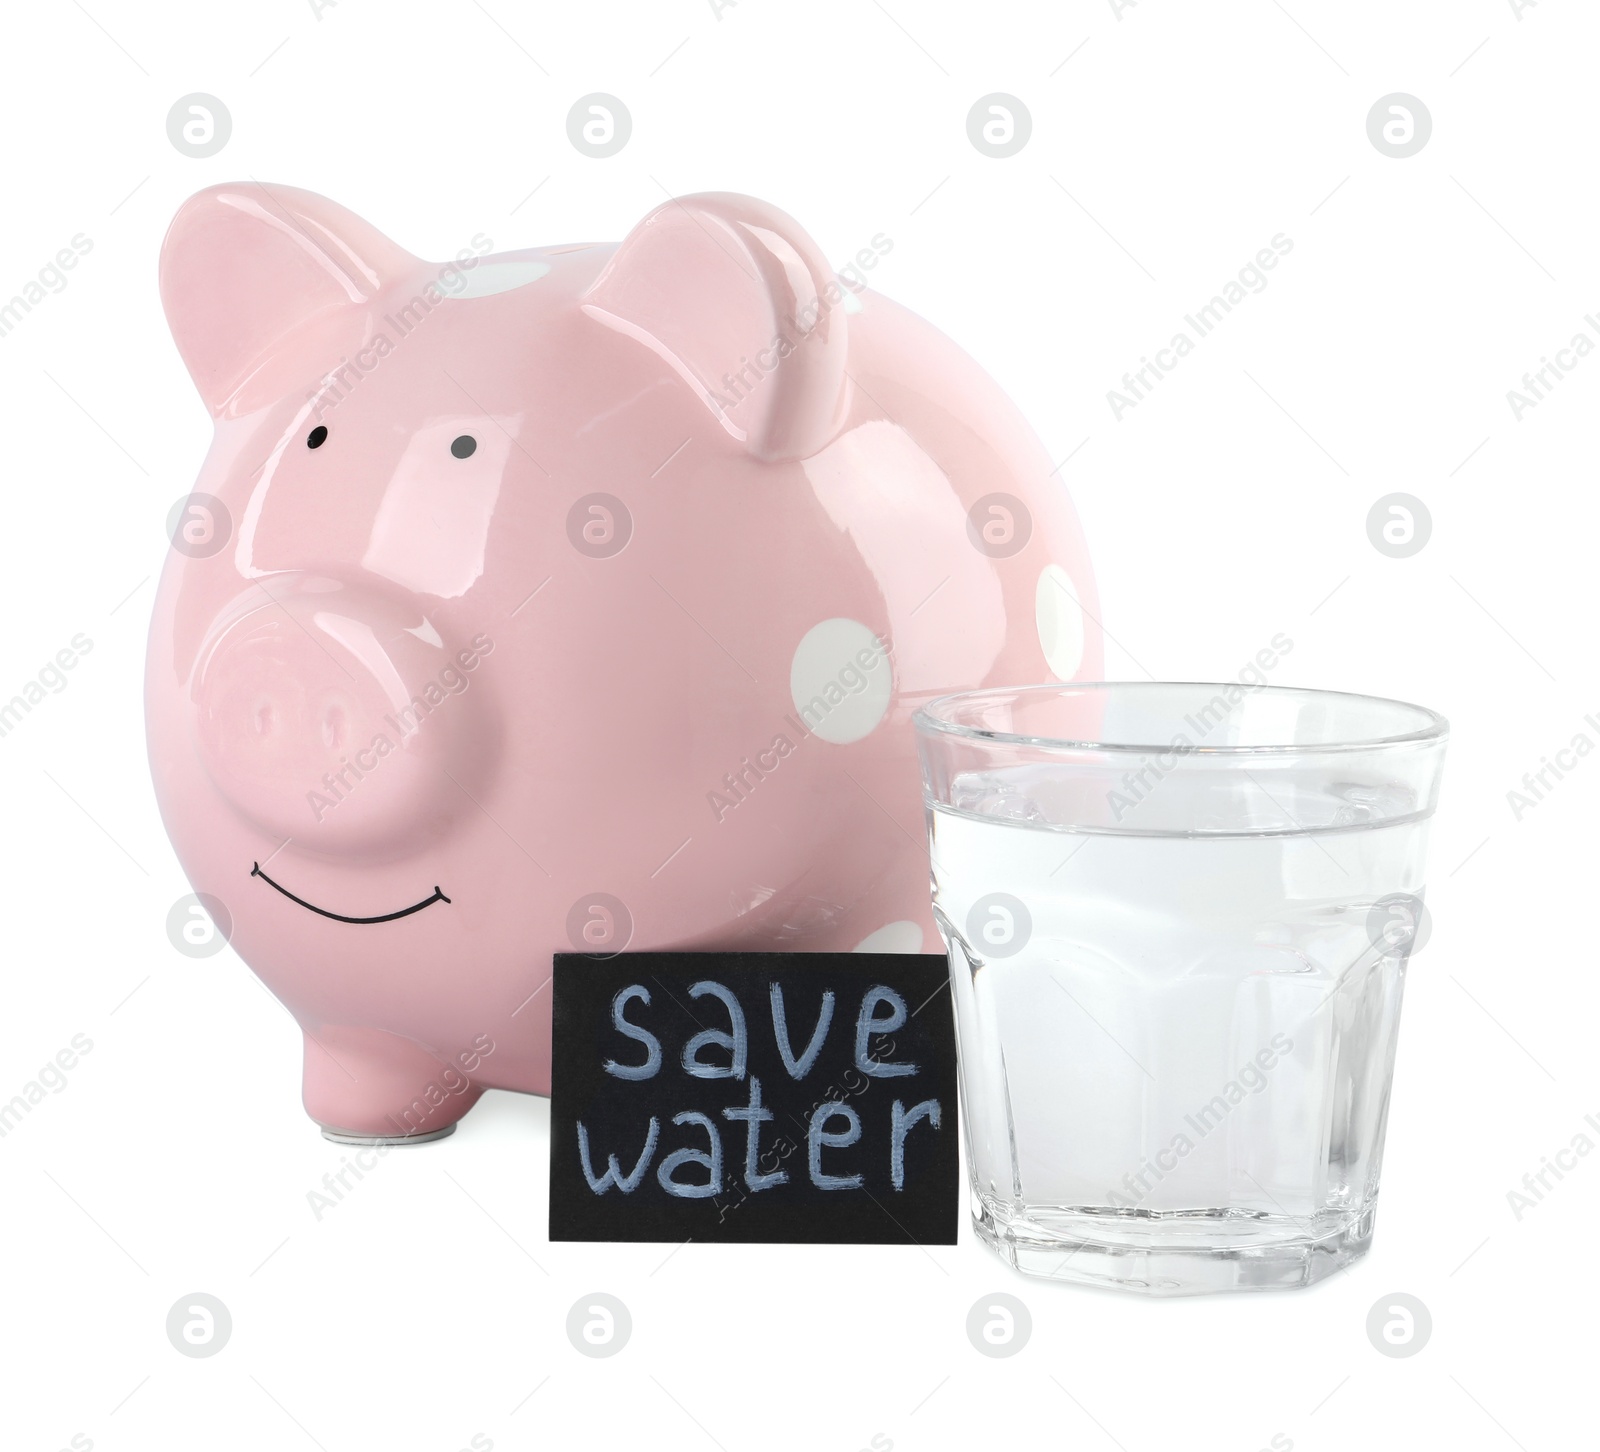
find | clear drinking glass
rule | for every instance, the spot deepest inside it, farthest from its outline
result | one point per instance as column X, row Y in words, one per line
column 1178, row 919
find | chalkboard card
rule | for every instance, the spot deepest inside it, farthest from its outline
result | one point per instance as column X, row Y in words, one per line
column 806, row 1097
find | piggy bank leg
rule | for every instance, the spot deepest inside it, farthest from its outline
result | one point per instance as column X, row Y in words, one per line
column 365, row 1086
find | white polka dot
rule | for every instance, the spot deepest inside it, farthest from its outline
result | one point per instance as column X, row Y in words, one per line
column 841, row 680
column 1060, row 621
column 489, row 275
column 901, row 937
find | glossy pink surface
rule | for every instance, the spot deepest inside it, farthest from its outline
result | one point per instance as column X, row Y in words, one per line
column 635, row 668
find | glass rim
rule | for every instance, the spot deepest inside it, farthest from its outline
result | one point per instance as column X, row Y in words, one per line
column 1435, row 728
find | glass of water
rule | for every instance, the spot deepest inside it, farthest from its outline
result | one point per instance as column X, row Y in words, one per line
column 1178, row 918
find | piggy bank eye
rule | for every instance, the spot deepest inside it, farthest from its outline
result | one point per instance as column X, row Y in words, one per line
column 462, row 448
column 317, row 437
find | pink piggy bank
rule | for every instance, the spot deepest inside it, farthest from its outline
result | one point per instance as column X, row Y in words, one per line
column 570, row 599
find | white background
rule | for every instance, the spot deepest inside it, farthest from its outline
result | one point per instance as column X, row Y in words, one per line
column 1169, row 144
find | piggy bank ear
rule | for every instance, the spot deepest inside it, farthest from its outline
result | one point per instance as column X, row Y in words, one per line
column 246, row 265
column 738, row 299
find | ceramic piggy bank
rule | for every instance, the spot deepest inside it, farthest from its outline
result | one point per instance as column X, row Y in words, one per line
column 568, row 599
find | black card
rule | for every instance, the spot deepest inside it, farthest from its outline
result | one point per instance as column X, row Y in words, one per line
column 803, row 1097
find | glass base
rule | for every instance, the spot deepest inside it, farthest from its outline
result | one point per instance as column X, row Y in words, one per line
column 1175, row 1253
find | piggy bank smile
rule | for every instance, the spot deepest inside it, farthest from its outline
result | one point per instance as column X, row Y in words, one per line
column 571, row 599
column 435, row 896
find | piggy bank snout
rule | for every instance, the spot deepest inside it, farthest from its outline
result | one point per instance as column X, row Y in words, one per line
column 343, row 722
